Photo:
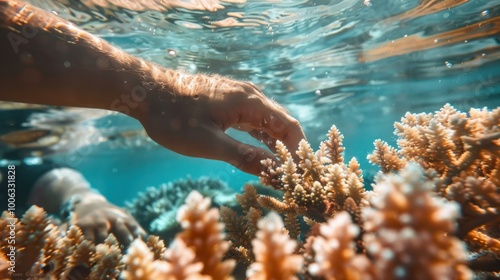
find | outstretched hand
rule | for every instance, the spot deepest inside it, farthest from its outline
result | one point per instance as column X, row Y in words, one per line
column 193, row 117
column 97, row 218
column 188, row 114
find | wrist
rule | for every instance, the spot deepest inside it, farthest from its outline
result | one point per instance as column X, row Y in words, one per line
column 139, row 86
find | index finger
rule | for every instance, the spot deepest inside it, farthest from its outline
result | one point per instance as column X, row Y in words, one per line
column 273, row 119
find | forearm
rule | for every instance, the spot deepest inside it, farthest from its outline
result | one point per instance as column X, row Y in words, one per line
column 47, row 60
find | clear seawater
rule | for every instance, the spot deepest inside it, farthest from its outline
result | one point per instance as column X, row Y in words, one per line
column 360, row 65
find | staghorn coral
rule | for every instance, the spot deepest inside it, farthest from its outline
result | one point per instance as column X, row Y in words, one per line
column 319, row 185
column 203, row 233
column 273, row 251
column 157, row 246
column 408, row 230
column 156, row 208
column 241, row 230
column 43, row 250
column 463, row 151
column 107, row 259
column 140, row 263
column 196, row 253
column 334, row 251
column 448, row 142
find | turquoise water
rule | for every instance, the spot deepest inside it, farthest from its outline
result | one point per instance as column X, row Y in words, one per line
column 360, row 65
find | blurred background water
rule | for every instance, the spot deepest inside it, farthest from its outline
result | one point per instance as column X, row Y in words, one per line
column 360, row 65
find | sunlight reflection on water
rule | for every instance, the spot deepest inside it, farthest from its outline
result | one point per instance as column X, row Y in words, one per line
column 370, row 61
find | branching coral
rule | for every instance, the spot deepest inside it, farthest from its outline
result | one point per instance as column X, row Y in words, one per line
column 140, row 263
column 408, row 230
column 319, row 185
column 242, row 229
column 448, row 141
column 334, row 251
column 42, row 250
column 273, row 251
column 156, row 208
column 464, row 153
column 196, row 253
column 203, row 233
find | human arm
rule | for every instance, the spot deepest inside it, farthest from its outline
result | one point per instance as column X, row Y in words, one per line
column 48, row 60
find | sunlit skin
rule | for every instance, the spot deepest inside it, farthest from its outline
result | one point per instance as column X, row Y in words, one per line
column 47, row 60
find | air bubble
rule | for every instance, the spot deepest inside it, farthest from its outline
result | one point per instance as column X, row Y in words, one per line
column 448, row 64
column 318, row 92
column 194, row 48
column 172, row 52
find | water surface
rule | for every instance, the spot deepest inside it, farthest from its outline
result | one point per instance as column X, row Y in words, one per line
column 360, row 65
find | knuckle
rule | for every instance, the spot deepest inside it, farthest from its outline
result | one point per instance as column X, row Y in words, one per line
column 294, row 122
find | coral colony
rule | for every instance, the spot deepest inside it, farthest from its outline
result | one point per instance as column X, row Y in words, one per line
column 433, row 213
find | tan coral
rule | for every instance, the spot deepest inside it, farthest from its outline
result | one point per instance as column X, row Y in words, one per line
column 196, row 252
column 409, row 230
column 199, row 249
column 464, row 152
column 386, row 157
column 335, row 251
column 4, row 266
column 273, row 250
column 204, row 234
column 181, row 263
column 318, row 186
column 32, row 232
column 106, row 262
column 447, row 141
column 140, row 263
column 157, row 246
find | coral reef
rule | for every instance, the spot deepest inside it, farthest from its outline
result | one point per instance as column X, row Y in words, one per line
column 196, row 252
column 334, row 251
column 42, row 250
column 156, row 208
column 409, row 231
column 432, row 214
column 463, row 152
column 319, row 186
column 274, row 252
